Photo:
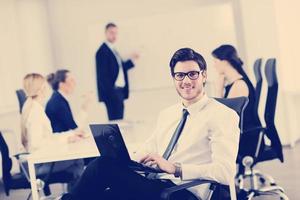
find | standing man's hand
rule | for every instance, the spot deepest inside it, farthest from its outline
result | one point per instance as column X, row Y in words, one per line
column 134, row 56
column 157, row 160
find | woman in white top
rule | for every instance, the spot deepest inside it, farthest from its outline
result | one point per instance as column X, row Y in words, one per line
column 36, row 128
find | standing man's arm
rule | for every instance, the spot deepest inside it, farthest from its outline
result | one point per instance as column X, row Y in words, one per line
column 128, row 64
column 104, row 81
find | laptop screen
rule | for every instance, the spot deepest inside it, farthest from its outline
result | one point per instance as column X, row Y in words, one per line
column 110, row 142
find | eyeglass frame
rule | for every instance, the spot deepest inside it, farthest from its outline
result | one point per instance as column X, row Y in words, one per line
column 187, row 74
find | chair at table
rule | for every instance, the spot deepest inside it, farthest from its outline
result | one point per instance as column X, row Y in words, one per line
column 10, row 181
column 21, row 98
column 217, row 190
column 21, row 180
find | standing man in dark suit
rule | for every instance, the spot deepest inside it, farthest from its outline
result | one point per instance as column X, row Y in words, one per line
column 112, row 77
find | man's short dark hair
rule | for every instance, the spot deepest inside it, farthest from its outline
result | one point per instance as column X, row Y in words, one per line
column 187, row 54
column 109, row 25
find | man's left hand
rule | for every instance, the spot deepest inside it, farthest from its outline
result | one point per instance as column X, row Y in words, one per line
column 163, row 164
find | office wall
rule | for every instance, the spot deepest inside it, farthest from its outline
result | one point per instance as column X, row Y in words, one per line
column 271, row 30
column 25, row 46
column 154, row 29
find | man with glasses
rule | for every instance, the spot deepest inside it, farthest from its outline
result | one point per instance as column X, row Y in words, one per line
column 196, row 138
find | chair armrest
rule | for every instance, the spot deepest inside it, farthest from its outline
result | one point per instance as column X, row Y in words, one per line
column 17, row 156
column 256, row 128
column 23, row 168
column 168, row 191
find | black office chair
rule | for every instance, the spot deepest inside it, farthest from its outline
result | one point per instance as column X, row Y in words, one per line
column 263, row 184
column 259, row 81
column 21, row 180
column 217, row 190
column 10, row 181
column 21, row 98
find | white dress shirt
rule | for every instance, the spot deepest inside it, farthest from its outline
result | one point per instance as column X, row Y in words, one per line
column 120, row 82
column 39, row 130
column 207, row 147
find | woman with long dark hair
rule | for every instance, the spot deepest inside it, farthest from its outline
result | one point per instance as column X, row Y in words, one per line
column 234, row 82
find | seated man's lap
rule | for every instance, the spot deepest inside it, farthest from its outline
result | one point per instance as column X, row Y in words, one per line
column 105, row 176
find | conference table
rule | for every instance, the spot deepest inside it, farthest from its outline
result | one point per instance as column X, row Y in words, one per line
column 84, row 148
column 55, row 151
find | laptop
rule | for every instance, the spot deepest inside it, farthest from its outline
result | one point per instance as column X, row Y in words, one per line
column 110, row 143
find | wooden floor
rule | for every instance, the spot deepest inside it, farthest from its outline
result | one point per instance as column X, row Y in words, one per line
column 286, row 174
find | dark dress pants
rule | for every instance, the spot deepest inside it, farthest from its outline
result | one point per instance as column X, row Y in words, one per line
column 115, row 105
column 106, row 179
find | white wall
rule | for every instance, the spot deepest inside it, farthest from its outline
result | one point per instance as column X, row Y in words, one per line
column 153, row 30
column 271, row 30
column 25, row 46
column 43, row 35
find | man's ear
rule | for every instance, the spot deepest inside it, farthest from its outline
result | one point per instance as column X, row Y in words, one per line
column 204, row 75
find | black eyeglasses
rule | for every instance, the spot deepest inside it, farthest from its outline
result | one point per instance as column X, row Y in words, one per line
column 193, row 75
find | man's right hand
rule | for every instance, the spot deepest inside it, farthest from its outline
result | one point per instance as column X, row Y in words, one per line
column 134, row 56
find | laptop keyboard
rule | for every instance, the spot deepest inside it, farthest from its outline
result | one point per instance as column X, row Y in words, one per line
column 145, row 168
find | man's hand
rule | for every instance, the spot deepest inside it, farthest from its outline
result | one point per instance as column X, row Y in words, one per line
column 80, row 133
column 73, row 138
column 163, row 164
column 134, row 56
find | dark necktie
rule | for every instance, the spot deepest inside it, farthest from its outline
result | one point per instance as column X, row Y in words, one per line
column 173, row 140
column 176, row 135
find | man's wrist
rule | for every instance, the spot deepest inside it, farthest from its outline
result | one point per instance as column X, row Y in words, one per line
column 178, row 170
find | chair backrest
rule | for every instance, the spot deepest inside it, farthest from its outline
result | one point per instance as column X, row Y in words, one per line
column 21, row 98
column 270, row 108
column 271, row 77
column 6, row 164
column 259, row 80
column 238, row 104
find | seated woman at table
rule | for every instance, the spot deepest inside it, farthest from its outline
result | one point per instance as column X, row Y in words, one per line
column 37, row 132
column 58, row 107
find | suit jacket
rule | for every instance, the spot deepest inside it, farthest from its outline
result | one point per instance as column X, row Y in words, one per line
column 59, row 112
column 107, row 70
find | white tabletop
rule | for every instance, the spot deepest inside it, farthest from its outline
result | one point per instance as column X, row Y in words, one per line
column 65, row 151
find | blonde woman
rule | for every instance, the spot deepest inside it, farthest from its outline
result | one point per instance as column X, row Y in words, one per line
column 36, row 128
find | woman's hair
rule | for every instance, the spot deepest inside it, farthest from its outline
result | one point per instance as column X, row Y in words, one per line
column 55, row 78
column 228, row 52
column 33, row 84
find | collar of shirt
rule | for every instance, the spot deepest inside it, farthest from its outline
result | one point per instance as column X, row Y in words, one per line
column 196, row 107
column 64, row 95
column 110, row 45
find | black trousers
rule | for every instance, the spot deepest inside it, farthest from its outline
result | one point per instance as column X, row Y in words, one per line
column 106, row 179
column 115, row 105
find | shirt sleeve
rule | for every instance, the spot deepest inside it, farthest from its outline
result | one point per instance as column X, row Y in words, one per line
column 224, row 140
